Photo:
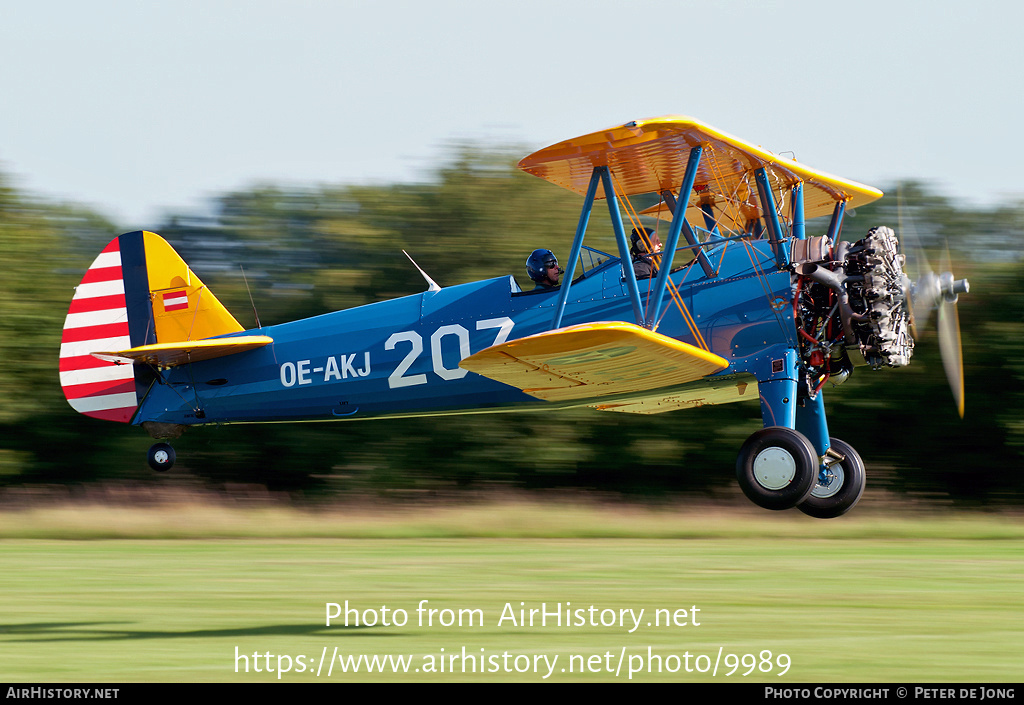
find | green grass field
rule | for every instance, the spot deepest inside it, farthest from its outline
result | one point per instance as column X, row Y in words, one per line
column 116, row 595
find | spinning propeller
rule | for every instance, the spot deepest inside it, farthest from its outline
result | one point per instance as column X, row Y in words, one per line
column 928, row 291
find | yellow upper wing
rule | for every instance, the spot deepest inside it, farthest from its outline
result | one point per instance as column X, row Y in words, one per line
column 594, row 360
column 648, row 156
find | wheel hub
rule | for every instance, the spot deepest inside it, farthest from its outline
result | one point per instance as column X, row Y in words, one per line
column 830, row 483
column 774, row 468
column 160, row 456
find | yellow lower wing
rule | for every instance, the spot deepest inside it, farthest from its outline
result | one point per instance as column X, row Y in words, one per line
column 708, row 392
column 594, row 360
column 165, row 355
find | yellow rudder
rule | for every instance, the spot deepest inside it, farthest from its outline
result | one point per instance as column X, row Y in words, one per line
column 183, row 307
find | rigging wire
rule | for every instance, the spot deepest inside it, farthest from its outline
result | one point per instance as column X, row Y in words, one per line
column 634, row 219
column 733, row 203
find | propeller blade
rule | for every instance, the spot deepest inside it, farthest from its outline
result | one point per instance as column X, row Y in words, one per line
column 923, row 295
column 952, row 351
column 923, row 290
column 944, row 260
column 950, row 345
column 910, row 243
column 929, row 290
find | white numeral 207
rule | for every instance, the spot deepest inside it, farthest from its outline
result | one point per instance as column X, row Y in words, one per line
column 398, row 378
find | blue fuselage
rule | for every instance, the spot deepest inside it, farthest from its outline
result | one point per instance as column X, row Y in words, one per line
column 401, row 357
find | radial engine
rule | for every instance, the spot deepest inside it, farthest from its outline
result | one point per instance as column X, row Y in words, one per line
column 851, row 305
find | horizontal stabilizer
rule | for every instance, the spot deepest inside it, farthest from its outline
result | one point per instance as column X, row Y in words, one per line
column 165, row 355
column 594, row 360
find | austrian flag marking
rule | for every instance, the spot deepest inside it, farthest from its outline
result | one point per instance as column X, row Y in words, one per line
column 175, row 300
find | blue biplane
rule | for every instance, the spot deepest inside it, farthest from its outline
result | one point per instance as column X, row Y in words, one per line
column 741, row 305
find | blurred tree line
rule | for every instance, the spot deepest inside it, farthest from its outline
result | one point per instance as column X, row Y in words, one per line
column 306, row 251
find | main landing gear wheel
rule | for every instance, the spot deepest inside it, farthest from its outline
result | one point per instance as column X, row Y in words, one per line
column 777, row 468
column 161, row 456
column 836, row 494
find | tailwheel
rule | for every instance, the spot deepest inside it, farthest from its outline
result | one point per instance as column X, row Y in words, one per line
column 777, row 468
column 161, row 457
column 839, row 487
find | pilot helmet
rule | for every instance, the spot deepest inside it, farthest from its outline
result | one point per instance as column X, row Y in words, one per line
column 538, row 262
column 639, row 243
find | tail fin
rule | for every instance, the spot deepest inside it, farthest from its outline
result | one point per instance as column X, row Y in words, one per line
column 138, row 291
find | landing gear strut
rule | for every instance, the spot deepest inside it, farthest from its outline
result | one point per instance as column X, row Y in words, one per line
column 161, row 457
column 839, row 487
column 777, row 468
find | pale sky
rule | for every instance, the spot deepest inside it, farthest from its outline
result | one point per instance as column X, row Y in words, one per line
column 137, row 107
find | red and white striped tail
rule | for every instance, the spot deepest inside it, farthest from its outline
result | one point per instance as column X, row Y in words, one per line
column 98, row 320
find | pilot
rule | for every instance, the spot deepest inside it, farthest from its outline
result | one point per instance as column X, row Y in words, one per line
column 542, row 267
column 644, row 244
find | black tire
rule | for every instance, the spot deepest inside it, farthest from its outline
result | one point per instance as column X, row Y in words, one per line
column 161, row 457
column 843, row 491
column 777, row 468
